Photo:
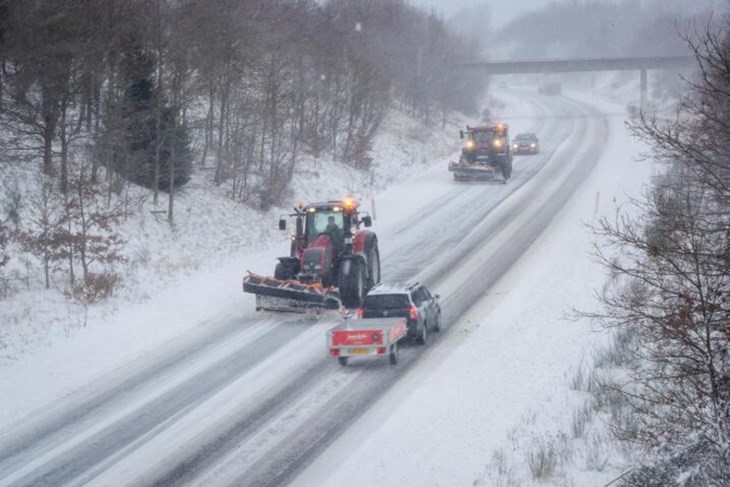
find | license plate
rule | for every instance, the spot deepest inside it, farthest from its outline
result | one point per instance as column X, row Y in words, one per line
column 359, row 351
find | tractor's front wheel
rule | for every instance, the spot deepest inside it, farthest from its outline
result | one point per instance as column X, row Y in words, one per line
column 286, row 270
column 352, row 283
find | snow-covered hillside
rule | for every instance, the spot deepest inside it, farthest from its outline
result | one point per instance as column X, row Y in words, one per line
column 210, row 232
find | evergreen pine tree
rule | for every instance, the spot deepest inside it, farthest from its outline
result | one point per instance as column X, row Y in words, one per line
column 140, row 100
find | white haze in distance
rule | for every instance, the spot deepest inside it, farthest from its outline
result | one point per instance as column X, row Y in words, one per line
column 503, row 11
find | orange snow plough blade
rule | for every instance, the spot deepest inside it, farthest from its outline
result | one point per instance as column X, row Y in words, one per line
column 289, row 295
column 465, row 170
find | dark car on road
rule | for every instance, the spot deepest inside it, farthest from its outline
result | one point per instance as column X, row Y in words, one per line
column 412, row 301
column 527, row 143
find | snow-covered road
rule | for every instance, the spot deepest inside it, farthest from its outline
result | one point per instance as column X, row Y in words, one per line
column 255, row 400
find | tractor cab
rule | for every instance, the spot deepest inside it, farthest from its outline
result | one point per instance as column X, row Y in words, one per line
column 325, row 221
column 485, row 143
column 338, row 220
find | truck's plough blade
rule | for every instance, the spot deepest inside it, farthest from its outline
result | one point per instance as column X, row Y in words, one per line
column 464, row 170
column 289, row 295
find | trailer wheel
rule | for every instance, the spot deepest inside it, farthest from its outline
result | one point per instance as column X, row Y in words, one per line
column 342, row 361
column 393, row 357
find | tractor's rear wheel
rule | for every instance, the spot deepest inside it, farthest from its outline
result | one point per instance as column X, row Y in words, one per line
column 506, row 166
column 352, row 283
column 374, row 263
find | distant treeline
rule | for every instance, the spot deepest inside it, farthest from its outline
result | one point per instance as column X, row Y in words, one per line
column 152, row 89
column 600, row 28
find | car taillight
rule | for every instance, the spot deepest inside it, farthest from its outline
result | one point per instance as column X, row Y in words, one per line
column 360, row 312
column 413, row 313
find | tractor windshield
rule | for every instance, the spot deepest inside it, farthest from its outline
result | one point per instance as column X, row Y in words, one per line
column 483, row 137
column 321, row 221
column 487, row 138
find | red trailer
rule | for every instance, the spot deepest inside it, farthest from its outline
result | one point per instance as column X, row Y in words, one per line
column 374, row 337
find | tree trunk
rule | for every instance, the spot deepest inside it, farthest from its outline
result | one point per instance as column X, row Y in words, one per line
column 70, row 246
column 46, row 269
column 158, row 109
column 218, row 178
column 84, row 228
column 208, row 125
column 48, row 132
column 171, row 182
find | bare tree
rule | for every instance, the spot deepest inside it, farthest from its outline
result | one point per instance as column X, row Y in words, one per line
column 42, row 234
column 90, row 230
column 671, row 282
column 42, row 42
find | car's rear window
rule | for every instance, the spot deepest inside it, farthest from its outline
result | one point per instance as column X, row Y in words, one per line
column 386, row 301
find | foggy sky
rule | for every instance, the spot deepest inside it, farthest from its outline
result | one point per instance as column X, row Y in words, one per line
column 504, row 11
column 507, row 9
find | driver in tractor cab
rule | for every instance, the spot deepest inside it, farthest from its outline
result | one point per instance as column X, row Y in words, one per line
column 335, row 233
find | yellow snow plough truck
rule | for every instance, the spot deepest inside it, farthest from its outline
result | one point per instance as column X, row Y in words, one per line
column 485, row 152
column 332, row 263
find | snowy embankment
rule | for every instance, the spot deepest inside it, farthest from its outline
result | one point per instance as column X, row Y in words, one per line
column 177, row 277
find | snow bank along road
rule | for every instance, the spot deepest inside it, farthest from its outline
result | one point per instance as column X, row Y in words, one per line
column 257, row 399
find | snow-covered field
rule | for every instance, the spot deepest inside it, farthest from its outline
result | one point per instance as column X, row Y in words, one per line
column 501, row 391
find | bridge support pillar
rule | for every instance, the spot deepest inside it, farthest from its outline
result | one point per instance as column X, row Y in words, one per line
column 643, row 90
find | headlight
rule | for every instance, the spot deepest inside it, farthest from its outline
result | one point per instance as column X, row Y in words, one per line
column 533, row 145
column 515, row 146
column 469, row 144
column 497, row 143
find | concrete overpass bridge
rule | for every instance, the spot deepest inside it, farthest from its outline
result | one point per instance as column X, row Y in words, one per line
column 639, row 63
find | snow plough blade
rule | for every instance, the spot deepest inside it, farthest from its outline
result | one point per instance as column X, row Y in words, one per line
column 464, row 170
column 289, row 295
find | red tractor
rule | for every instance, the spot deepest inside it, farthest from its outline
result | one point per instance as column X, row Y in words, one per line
column 332, row 263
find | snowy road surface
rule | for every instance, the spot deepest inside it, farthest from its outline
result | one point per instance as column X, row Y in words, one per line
column 255, row 399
